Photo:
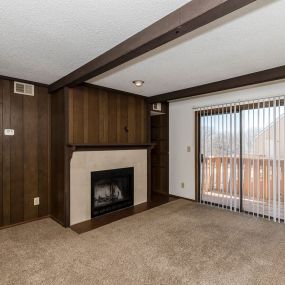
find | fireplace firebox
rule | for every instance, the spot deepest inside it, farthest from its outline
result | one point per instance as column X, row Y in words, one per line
column 111, row 190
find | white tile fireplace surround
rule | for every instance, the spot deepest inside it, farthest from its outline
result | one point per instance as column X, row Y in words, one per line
column 84, row 162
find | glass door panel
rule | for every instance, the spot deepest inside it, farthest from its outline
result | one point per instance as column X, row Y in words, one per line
column 263, row 158
column 220, row 157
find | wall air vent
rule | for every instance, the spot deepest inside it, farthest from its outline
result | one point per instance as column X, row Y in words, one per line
column 24, row 88
column 156, row 106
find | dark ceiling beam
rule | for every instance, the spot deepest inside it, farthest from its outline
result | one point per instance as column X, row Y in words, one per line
column 189, row 17
column 264, row 76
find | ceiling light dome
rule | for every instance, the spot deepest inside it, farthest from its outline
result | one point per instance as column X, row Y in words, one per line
column 138, row 83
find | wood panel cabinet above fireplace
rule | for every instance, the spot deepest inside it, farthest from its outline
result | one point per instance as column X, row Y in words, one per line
column 102, row 116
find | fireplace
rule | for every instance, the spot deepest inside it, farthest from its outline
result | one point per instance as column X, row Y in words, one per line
column 111, row 190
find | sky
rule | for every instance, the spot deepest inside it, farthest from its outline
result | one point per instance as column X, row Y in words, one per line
column 221, row 126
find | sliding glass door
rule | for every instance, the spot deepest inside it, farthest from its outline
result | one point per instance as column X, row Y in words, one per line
column 242, row 157
column 263, row 158
column 220, row 156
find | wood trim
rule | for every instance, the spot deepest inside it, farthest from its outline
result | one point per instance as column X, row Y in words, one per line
column 130, row 145
column 259, row 77
column 161, row 193
column 23, row 81
column 168, row 123
column 197, row 156
column 59, row 156
column 25, row 222
column 189, row 17
column 57, row 220
column 74, row 148
column 148, row 175
column 67, row 158
column 166, row 114
column 178, row 197
column 148, row 136
column 49, row 155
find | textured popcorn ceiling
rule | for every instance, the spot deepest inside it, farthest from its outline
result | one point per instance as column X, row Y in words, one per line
column 43, row 40
column 249, row 40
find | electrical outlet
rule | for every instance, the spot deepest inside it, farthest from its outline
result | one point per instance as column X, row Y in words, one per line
column 9, row 132
column 182, row 185
column 36, row 201
column 188, row 148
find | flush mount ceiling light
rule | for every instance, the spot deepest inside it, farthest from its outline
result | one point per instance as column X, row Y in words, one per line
column 138, row 83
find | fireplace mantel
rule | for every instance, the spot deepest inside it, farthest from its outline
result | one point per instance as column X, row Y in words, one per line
column 88, row 147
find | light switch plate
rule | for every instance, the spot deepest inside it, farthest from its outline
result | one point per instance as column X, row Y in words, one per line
column 36, row 201
column 182, row 185
column 188, row 148
column 9, row 132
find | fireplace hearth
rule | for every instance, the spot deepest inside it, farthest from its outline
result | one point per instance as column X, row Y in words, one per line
column 111, row 190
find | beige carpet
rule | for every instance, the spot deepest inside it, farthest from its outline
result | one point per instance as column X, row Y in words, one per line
column 177, row 243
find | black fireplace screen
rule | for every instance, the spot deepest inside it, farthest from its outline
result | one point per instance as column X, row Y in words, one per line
column 111, row 190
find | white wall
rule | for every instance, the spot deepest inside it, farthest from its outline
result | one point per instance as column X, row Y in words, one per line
column 182, row 131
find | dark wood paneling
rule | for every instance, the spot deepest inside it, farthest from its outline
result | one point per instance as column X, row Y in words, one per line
column 58, row 144
column 101, row 116
column 78, row 116
column 1, row 161
column 1, row 91
column 144, row 121
column 112, row 119
column 85, row 112
column 131, row 119
column 103, row 123
column 122, row 121
column 30, row 155
column 70, row 115
column 43, row 151
column 159, row 154
column 61, row 153
column 187, row 18
column 93, row 115
column 141, row 122
column 17, row 160
column 25, row 156
column 6, row 91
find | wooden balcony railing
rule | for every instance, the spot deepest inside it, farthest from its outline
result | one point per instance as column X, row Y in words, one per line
column 221, row 176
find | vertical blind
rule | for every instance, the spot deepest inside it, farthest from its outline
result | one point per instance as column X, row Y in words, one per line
column 242, row 157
